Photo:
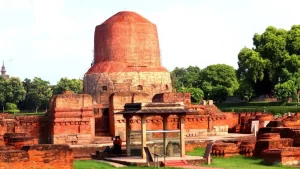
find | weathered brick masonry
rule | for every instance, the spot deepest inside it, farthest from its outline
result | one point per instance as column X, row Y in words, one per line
column 38, row 156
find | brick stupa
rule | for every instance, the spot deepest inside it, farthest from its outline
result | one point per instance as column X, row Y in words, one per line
column 126, row 59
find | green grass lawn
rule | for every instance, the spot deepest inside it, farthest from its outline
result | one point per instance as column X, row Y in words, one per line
column 237, row 162
column 90, row 164
column 251, row 107
column 29, row 114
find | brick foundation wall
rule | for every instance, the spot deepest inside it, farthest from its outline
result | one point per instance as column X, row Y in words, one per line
column 84, row 152
column 285, row 156
column 152, row 83
column 71, row 119
column 38, row 156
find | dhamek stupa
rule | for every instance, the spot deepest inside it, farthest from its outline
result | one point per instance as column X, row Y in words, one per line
column 126, row 59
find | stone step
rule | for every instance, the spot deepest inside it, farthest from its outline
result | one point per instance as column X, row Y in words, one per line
column 102, row 134
column 170, row 163
column 103, row 139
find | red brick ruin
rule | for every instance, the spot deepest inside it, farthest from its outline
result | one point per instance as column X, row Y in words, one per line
column 127, row 69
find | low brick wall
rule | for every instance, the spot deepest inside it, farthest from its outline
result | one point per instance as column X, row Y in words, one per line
column 18, row 140
column 265, row 144
column 190, row 145
column 10, row 159
column 41, row 156
column 247, row 148
column 84, row 152
column 225, row 149
column 285, row 156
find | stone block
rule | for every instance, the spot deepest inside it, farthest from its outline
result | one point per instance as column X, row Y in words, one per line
column 38, row 156
column 284, row 156
column 264, row 144
column 225, row 150
column 247, row 148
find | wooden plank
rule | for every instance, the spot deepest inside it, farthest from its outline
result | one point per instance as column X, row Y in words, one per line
column 208, row 150
column 148, row 155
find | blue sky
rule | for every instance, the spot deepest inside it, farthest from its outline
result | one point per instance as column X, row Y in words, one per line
column 54, row 38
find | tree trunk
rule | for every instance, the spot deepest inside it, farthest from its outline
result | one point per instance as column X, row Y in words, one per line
column 36, row 109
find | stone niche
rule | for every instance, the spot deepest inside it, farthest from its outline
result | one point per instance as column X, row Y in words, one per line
column 40, row 156
column 71, row 119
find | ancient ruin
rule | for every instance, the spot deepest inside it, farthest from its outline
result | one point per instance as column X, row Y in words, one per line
column 127, row 71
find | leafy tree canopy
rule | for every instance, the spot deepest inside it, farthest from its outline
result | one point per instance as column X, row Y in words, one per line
column 274, row 58
column 196, row 94
column 76, row 85
column 39, row 92
column 186, row 77
column 215, row 78
column 15, row 91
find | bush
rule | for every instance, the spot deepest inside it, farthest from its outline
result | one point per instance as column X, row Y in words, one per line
column 11, row 108
column 13, row 111
column 272, row 109
column 261, row 104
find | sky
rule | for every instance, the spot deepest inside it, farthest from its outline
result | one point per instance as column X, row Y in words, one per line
column 52, row 39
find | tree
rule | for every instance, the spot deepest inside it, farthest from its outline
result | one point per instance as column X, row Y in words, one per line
column 186, row 77
column 273, row 59
column 3, row 85
column 177, row 77
column 244, row 92
column 39, row 92
column 219, row 93
column 15, row 91
column 63, row 84
column 192, row 77
column 218, row 77
column 286, row 90
column 196, row 94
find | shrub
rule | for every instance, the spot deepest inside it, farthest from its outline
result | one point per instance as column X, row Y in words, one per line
column 11, row 108
column 13, row 111
column 272, row 109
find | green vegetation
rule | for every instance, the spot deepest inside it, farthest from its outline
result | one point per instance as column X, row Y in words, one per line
column 90, row 164
column 197, row 152
column 11, row 108
column 196, row 94
column 238, row 162
column 271, row 67
column 273, row 61
column 30, row 114
column 241, row 162
column 76, row 85
column 38, row 93
column 277, row 108
column 215, row 82
column 32, row 94
column 11, row 90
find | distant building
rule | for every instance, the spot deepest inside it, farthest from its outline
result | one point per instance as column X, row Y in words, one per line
column 3, row 72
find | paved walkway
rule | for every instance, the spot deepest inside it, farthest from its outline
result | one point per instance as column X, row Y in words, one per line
column 197, row 167
column 112, row 163
column 189, row 167
column 117, row 165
